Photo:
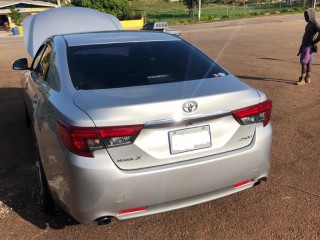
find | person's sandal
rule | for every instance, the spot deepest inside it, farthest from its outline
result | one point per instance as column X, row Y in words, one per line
column 301, row 81
column 307, row 79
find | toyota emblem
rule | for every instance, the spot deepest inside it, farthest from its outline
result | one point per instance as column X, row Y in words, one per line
column 190, row 106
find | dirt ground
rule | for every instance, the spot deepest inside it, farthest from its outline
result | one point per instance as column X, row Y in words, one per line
column 262, row 54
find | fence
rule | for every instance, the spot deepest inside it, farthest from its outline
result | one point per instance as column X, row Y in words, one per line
column 223, row 11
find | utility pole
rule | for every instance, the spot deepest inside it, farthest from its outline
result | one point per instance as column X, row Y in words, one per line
column 199, row 10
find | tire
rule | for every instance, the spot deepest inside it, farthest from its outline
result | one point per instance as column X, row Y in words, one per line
column 46, row 199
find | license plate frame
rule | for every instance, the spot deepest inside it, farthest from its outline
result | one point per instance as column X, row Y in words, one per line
column 189, row 139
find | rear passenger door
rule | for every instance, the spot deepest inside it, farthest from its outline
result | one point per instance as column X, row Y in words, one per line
column 48, row 89
column 39, row 92
column 30, row 85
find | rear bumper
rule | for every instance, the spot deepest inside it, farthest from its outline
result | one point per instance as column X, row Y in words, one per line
column 96, row 187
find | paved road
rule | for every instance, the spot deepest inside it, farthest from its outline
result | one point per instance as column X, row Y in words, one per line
column 262, row 54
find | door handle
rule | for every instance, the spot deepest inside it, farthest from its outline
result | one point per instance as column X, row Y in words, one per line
column 26, row 87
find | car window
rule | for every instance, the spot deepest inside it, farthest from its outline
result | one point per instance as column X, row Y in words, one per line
column 44, row 63
column 44, row 67
column 37, row 58
column 52, row 76
column 138, row 63
column 150, row 26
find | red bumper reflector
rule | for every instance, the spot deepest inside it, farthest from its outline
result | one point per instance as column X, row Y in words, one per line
column 132, row 210
column 240, row 184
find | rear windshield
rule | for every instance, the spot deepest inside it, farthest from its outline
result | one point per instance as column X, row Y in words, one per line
column 138, row 63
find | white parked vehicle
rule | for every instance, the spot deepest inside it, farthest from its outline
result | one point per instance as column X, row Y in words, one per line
column 161, row 27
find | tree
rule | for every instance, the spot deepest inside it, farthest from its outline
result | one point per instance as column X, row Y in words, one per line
column 119, row 8
column 16, row 16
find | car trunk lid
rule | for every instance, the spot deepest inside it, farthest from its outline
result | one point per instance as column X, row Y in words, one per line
column 38, row 27
column 170, row 134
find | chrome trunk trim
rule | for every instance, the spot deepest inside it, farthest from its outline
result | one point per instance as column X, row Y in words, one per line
column 186, row 120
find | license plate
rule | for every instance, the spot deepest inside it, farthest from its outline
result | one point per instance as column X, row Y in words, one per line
column 189, row 139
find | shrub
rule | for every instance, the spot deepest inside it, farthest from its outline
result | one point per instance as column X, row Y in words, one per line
column 16, row 16
column 253, row 13
column 275, row 12
column 119, row 8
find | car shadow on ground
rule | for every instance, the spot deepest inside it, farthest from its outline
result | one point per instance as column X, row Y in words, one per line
column 279, row 80
column 19, row 189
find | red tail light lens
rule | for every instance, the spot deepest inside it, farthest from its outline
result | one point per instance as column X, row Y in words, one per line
column 266, row 107
column 257, row 113
column 83, row 141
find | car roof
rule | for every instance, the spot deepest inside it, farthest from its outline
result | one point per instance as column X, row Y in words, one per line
column 116, row 37
column 37, row 28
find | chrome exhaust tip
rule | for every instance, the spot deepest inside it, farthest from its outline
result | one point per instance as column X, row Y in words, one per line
column 103, row 221
column 264, row 179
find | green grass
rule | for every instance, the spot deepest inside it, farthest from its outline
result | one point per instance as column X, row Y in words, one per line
column 177, row 13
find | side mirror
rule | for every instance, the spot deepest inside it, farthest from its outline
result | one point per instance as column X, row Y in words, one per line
column 20, row 64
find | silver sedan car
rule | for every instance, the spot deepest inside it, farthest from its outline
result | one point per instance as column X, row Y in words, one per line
column 132, row 123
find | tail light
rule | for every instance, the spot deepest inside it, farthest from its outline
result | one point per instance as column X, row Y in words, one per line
column 83, row 141
column 257, row 113
column 117, row 136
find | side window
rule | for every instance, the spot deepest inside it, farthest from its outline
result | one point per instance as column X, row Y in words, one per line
column 37, row 58
column 44, row 63
column 52, row 77
column 44, row 68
